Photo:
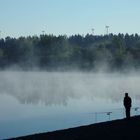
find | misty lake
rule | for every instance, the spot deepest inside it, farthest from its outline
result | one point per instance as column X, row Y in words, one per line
column 34, row 102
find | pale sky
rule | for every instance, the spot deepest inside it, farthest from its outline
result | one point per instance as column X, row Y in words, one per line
column 31, row 17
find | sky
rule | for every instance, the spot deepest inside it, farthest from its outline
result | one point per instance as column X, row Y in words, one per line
column 68, row 17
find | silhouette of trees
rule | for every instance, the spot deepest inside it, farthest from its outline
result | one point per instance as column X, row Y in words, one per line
column 90, row 52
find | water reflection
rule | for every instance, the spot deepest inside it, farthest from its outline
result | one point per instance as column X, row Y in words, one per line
column 57, row 88
column 34, row 102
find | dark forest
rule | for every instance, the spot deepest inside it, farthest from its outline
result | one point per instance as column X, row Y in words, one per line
column 76, row 52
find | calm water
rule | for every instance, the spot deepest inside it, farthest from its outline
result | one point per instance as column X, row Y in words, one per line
column 34, row 102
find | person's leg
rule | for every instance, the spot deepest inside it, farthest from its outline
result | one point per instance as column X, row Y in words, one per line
column 127, row 112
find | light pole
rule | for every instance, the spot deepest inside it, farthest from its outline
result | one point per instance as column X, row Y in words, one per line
column 43, row 32
column 92, row 31
column 107, row 28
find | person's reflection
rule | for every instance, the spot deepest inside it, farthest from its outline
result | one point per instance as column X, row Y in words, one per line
column 127, row 104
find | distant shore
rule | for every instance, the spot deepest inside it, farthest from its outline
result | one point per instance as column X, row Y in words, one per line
column 111, row 130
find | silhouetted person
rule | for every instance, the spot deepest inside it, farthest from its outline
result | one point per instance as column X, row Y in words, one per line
column 127, row 104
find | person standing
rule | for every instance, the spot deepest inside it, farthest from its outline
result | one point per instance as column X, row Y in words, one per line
column 127, row 104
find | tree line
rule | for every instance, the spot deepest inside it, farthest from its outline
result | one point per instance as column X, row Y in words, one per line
column 89, row 52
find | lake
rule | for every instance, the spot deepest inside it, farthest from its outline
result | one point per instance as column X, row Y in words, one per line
column 36, row 102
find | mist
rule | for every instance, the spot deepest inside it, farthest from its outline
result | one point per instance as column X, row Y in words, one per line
column 57, row 88
column 39, row 101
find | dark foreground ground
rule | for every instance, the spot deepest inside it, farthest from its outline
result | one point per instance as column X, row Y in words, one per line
column 112, row 130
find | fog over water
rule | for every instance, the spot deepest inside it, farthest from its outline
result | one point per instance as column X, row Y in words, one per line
column 32, row 102
column 58, row 87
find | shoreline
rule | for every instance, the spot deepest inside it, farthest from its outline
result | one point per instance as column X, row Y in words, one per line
column 111, row 130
